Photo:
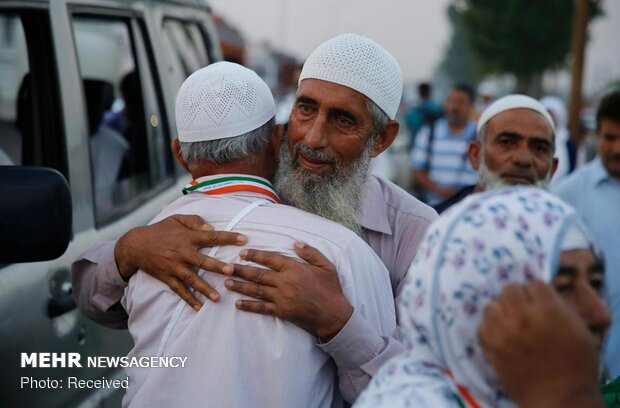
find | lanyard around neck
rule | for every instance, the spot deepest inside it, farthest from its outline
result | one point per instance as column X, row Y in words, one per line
column 176, row 315
column 230, row 184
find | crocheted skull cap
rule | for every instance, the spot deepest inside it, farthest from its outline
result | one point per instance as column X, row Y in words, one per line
column 514, row 101
column 361, row 64
column 220, row 101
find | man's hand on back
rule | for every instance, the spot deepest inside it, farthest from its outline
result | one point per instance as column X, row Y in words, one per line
column 168, row 251
column 307, row 295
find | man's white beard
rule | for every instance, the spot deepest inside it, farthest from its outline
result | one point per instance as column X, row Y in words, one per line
column 336, row 196
column 491, row 181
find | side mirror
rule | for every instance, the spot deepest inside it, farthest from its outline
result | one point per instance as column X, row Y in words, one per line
column 35, row 214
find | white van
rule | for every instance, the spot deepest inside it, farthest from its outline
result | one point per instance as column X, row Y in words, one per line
column 87, row 88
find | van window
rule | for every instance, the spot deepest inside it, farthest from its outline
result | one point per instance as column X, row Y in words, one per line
column 30, row 119
column 15, row 73
column 128, row 144
column 185, row 49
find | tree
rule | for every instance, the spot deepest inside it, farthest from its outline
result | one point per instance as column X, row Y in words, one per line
column 457, row 65
column 520, row 37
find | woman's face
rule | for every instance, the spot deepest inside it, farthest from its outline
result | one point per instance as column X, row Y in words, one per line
column 579, row 281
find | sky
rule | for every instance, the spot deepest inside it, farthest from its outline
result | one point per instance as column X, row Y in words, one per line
column 603, row 51
column 298, row 27
column 416, row 32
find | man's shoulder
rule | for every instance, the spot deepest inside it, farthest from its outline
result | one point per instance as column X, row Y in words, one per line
column 271, row 214
column 399, row 201
column 456, row 198
column 441, row 128
column 576, row 181
column 348, row 247
column 312, row 223
column 278, row 219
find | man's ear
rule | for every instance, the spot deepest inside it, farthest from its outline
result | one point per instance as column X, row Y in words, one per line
column 473, row 153
column 176, row 150
column 276, row 139
column 554, row 166
column 385, row 137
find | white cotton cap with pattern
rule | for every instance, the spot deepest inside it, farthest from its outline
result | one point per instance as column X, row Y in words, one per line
column 361, row 64
column 514, row 101
column 220, row 101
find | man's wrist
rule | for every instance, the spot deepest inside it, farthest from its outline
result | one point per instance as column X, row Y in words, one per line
column 337, row 322
column 125, row 268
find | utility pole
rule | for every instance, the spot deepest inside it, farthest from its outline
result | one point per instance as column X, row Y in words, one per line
column 578, row 45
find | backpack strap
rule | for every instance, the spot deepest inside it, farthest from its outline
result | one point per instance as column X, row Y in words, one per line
column 429, row 146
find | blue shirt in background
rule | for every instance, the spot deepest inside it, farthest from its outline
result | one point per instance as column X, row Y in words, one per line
column 596, row 196
column 448, row 164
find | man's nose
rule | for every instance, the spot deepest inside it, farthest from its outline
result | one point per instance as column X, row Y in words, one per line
column 522, row 157
column 317, row 133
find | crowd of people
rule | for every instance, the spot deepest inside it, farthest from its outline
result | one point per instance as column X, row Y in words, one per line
column 288, row 275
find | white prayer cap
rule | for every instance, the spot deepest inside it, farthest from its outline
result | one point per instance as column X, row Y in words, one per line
column 220, row 101
column 514, row 101
column 361, row 64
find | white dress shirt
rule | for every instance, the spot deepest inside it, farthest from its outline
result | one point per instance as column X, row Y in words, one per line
column 240, row 359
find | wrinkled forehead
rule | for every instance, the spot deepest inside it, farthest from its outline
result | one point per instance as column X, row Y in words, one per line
column 521, row 121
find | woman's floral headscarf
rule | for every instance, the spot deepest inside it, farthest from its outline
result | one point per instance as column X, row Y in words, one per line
column 466, row 257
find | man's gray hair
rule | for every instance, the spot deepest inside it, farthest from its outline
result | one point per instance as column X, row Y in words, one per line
column 245, row 146
column 379, row 118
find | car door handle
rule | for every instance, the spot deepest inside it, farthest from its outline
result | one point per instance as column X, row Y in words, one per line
column 60, row 305
column 61, row 294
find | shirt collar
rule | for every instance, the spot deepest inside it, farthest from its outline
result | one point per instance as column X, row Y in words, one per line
column 373, row 212
column 217, row 176
column 229, row 183
column 599, row 173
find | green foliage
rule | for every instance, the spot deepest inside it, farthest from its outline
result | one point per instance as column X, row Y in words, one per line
column 521, row 37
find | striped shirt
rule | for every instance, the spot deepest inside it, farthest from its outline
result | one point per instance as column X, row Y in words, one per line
column 449, row 165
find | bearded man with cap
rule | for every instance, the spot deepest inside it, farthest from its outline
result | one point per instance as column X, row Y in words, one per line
column 229, row 143
column 349, row 91
column 514, row 145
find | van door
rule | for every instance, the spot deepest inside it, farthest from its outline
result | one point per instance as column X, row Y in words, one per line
column 101, row 125
column 32, row 133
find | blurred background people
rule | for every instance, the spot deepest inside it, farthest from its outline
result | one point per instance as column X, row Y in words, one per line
column 486, row 94
column 565, row 151
column 439, row 161
column 594, row 190
column 424, row 113
column 108, row 148
column 514, row 145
